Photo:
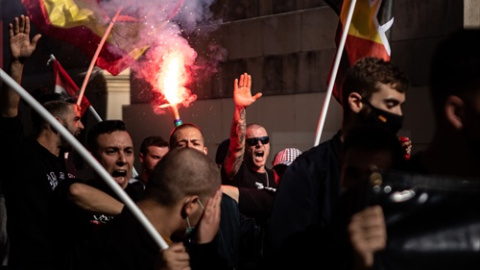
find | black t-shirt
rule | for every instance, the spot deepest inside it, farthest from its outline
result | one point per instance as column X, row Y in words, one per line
column 256, row 195
column 75, row 227
column 30, row 175
column 251, row 179
column 122, row 244
column 256, row 192
column 125, row 244
column 227, row 239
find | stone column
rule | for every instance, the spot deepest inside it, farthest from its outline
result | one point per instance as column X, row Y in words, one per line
column 118, row 93
column 471, row 14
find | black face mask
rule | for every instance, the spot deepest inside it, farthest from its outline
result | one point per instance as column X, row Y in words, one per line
column 390, row 121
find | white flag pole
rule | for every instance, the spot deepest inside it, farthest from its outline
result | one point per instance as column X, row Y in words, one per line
column 331, row 82
column 87, row 156
column 95, row 114
column 97, row 52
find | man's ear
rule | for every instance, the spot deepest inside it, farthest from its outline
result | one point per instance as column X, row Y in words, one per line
column 189, row 205
column 455, row 111
column 140, row 156
column 205, row 150
column 354, row 100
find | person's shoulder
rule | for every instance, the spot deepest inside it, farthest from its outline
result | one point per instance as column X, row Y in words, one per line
column 314, row 160
column 312, row 154
column 228, row 203
column 136, row 182
column 135, row 190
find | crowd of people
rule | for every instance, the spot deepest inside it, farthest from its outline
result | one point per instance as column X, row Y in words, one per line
column 329, row 206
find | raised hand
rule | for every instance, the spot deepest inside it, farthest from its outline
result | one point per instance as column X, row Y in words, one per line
column 20, row 44
column 242, row 94
column 21, row 48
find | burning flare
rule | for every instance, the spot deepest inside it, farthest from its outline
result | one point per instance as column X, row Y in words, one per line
column 172, row 80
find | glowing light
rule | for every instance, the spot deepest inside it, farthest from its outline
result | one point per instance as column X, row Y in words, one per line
column 171, row 83
column 173, row 78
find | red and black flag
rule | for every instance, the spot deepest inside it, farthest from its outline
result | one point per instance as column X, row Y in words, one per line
column 65, row 86
column 368, row 35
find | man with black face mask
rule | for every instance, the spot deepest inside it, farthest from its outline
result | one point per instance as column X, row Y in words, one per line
column 373, row 92
column 450, row 165
column 385, row 119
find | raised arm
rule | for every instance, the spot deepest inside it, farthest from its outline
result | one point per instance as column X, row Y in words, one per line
column 243, row 98
column 21, row 48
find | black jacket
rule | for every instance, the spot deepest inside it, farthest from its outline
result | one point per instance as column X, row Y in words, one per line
column 305, row 202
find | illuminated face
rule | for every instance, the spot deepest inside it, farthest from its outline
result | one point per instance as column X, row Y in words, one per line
column 388, row 99
column 256, row 154
column 115, row 153
column 76, row 121
column 189, row 137
column 152, row 157
column 72, row 122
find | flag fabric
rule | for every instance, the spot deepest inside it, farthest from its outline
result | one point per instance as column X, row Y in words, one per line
column 65, row 86
column 368, row 35
column 83, row 24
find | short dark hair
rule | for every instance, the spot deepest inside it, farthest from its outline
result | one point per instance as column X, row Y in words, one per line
column 107, row 126
column 54, row 104
column 363, row 77
column 152, row 141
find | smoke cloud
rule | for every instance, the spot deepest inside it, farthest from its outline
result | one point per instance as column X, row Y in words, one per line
column 161, row 27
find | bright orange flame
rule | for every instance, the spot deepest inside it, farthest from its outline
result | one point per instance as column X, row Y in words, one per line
column 173, row 78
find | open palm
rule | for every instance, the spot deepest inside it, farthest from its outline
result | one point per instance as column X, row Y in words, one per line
column 242, row 93
column 20, row 44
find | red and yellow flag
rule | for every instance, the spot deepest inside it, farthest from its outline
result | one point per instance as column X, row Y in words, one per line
column 368, row 34
column 83, row 24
